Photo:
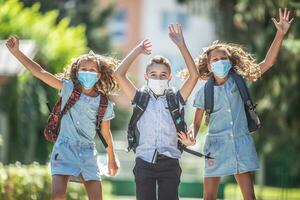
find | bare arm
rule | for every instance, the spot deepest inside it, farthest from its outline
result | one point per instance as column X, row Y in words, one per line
column 188, row 139
column 36, row 70
column 120, row 73
column 112, row 164
column 197, row 120
column 282, row 28
column 176, row 35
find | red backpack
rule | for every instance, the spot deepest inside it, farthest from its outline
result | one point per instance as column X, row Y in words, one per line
column 52, row 128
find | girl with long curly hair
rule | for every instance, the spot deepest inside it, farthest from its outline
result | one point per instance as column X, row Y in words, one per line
column 74, row 153
column 228, row 140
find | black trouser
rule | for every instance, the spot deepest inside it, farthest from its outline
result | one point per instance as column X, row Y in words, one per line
column 165, row 174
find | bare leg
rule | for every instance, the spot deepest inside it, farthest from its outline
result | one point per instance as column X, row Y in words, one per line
column 59, row 187
column 211, row 185
column 246, row 185
column 94, row 189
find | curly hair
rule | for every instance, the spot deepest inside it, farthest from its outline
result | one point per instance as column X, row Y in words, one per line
column 244, row 63
column 106, row 84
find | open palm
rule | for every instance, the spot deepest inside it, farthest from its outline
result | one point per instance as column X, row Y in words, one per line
column 284, row 22
column 145, row 47
column 176, row 35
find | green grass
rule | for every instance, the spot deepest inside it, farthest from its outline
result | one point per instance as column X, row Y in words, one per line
column 232, row 191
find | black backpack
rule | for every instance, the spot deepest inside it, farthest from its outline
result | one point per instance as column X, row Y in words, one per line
column 250, row 107
column 141, row 101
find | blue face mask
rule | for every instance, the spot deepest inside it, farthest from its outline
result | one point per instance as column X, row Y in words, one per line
column 87, row 79
column 221, row 68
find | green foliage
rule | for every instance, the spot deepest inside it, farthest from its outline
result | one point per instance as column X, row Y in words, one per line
column 34, row 182
column 25, row 105
column 84, row 12
column 232, row 191
column 58, row 42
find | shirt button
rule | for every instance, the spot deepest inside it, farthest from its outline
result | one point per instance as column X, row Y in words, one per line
column 77, row 123
column 231, row 123
column 229, row 110
column 231, row 135
column 80, row 154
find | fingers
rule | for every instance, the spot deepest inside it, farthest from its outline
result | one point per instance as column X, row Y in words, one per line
column 284, row 13
column 280, row 13
column 274, row 21
column 146, row 46
column 287, row 16
column 291, row 20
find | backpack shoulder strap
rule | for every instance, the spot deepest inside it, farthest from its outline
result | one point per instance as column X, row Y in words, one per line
column 174, row 108
column 208, row 98
column 140, row 102
column 242, row 87
column 101, row 111
column 74, row 97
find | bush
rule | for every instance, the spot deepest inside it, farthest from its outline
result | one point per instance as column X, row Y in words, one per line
column 25, row 182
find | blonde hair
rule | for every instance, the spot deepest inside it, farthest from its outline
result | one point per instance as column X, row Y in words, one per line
column 106, row 65
column 159, row 60
column 244, row 63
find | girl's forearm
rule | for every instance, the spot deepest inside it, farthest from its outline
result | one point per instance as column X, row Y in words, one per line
column 29, row 64
column 272, row 53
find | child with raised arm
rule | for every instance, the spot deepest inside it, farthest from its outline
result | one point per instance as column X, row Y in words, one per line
column 228, row 140
column 74, row 152
column 157, row 153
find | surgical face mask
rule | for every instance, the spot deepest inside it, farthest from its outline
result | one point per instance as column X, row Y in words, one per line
column 158, row 86
column 221, row 68
column 87, row 79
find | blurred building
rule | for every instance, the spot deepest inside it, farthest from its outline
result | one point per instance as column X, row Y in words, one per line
column 135, row 20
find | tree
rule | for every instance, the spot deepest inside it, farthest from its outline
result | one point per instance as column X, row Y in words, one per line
column 26, row 103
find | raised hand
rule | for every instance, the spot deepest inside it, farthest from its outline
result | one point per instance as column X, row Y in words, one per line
column 12, row 44
column 284, row 22
column 145, row 47
column 176, row 35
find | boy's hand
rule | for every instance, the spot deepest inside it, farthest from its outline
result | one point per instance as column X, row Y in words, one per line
column 145, row 47
column 284, row 21
column 186, row 139
column 176, row 35
column 112, row 167
column 12, row 44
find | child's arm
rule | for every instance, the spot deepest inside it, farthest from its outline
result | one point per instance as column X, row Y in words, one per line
column 36, row 70
column 120, row 73
column 176, row 35
column 282, row 28
column 186, row 138
column 112, row 164
column 197, row 120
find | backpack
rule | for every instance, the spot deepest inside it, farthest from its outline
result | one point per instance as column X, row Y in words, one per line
column 141, row 101
column 52, row 127
column 250, row 107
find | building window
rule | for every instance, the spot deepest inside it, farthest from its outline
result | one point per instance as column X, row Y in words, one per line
column 118, row 26
column 173, row 17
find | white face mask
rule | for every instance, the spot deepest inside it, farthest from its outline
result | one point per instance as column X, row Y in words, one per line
column 158, row 86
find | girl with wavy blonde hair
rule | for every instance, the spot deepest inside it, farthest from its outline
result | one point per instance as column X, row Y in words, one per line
column 74, row 153
column 228, row 140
